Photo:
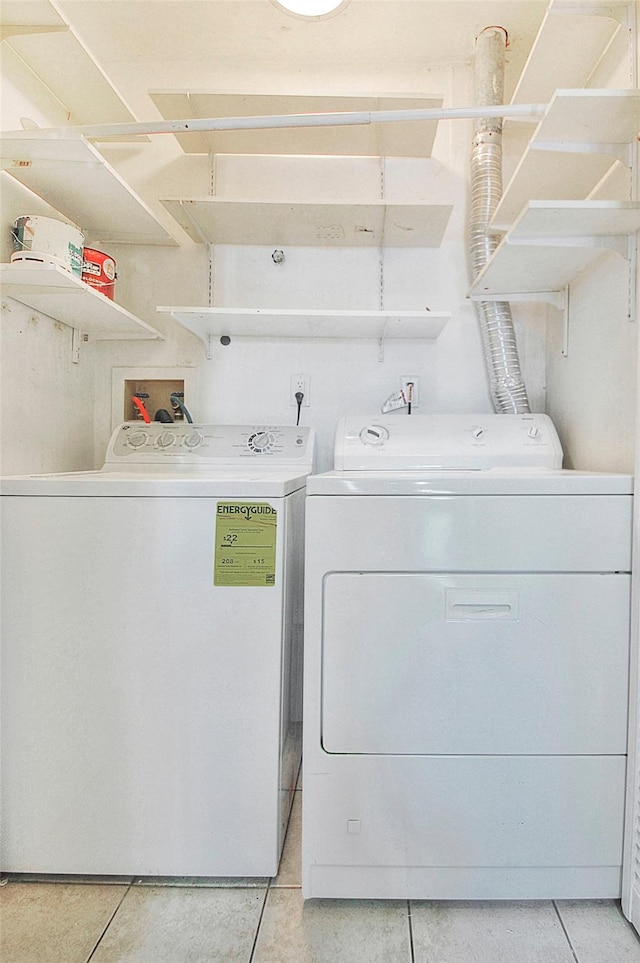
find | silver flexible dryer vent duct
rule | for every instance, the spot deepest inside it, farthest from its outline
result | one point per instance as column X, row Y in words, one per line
column 501, row 352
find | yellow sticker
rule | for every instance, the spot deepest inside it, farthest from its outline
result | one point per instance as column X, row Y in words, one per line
column 245, row 551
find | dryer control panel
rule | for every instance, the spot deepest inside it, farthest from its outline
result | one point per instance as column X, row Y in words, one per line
column 135, row 443
column 446, row 442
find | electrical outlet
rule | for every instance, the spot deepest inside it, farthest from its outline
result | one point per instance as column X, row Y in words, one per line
column 299, row 382
column 405, row 380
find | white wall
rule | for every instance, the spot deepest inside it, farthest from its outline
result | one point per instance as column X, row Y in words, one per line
column 249, row 379
column 46, row 401
column 147, row 278
column 591, row 392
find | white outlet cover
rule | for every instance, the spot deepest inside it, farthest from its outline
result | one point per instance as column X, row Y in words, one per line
column 299, row 382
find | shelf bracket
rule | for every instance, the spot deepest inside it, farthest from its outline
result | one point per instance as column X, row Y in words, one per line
column 566, row 294
column 209, row 346
column 200, row 236
column 633, row 278
column 380, row 350
column 77, row 338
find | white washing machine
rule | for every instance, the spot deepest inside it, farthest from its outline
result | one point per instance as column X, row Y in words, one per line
column 466, row 664
column 151, row 654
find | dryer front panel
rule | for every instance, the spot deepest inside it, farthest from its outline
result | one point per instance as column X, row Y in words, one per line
column 474, row 663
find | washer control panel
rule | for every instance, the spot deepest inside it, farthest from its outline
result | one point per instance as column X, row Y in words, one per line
column 446, row 442
column 133, row 443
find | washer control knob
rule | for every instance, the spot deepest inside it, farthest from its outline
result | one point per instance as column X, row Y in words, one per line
column 477, row 431
column 374, row 435
column 534, row 432
column 137, row 439
column 261, row 441
column 165, row 440
column 193, row 439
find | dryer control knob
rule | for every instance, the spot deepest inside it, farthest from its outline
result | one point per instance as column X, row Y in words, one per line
column 477, row 431
column 374, row 435
column 534, row 431
column 165, row 440
column 193, row 439
column 137, row 439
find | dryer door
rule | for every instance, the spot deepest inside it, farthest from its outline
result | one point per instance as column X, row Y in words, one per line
column 475, row 664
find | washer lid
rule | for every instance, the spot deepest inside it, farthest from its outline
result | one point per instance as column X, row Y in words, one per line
column 163, row 482
column 494, row 481
column 439, row 442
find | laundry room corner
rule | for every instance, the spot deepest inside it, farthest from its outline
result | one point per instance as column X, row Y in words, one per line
column 319, row 437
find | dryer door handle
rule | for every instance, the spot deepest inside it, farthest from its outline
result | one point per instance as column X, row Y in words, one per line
column 468, row 604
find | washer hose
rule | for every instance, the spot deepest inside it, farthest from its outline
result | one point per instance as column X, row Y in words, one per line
column 176, row 402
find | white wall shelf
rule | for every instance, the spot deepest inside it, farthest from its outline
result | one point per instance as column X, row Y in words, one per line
column 218, row 221
column 408, row 139
column 75, row 179
column 211, row 323
column 39, row 35
column 582, row 135
column 551, row 243
column 568, row 46
column 51, row 290
column 603, row 118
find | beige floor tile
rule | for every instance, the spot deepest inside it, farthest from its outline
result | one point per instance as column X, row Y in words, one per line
column 488, row 932
column 598, row 931
column 290, row 871
column 176, row 925
column 54, row 922
column 332, row 931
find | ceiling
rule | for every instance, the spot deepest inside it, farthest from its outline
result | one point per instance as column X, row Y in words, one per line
column 102, row 58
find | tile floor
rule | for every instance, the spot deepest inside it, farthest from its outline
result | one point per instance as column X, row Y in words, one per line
column 266, row 921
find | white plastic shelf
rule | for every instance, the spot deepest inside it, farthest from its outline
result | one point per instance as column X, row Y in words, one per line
column 209, row 323
column 75, row 179
column 55, row 292
column 218, row 221
column 408, row 139
column 566, row 49
column 573, row 148
column 551, row 243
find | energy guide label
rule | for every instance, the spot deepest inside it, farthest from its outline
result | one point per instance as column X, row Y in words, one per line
column 245, row 551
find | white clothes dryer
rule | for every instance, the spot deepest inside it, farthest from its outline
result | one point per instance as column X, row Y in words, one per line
column 466, row 664
column 151, row 654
